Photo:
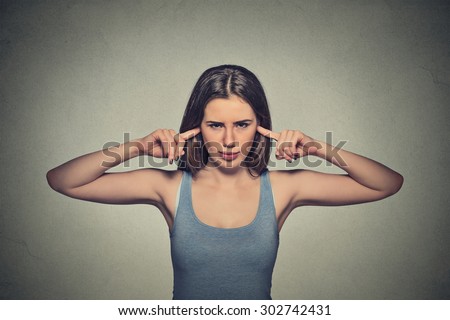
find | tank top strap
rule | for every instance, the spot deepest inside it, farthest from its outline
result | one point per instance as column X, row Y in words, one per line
column 267, row 200
column 184, row 192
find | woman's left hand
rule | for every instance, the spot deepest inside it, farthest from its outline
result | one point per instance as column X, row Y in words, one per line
column 291, row 144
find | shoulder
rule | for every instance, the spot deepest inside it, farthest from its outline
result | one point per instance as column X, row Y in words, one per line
column 162, row 186
column 285, row 185
column 288, row 184
column 165, row 183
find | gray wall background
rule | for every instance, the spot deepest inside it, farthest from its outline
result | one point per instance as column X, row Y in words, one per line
column 75, row 75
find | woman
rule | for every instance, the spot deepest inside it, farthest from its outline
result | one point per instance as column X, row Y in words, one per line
column 224, row 208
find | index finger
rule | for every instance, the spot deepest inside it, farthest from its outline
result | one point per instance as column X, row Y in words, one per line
column 267, row 133
column 189, row 134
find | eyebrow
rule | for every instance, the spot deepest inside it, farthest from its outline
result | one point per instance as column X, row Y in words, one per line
column 240, row 121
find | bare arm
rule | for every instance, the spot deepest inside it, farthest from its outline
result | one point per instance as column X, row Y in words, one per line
column 85, row 177
column 366, row 180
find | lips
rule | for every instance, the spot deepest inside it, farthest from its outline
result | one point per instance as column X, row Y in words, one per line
column 229, row 155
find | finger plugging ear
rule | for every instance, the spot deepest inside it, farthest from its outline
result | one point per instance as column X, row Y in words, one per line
column 267, row 133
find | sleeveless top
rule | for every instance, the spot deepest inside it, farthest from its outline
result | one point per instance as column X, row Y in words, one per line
column 212, row 263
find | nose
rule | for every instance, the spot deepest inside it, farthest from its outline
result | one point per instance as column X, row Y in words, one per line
column 228, row 140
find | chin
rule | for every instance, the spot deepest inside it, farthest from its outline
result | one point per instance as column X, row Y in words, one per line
column 227, row 164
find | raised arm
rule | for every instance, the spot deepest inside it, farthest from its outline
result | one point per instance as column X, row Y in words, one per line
column 366, row 180
column 85, row 177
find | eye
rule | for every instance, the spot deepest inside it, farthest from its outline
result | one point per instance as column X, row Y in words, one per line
column 242, row 125
column 215, row 125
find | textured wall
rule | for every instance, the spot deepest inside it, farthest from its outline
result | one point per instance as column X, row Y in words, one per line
column 77, row 74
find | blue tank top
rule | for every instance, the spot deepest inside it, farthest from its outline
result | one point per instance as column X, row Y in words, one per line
column 211, row 263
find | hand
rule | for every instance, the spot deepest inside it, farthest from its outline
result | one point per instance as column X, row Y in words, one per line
column 165, row 143
column 291, row 144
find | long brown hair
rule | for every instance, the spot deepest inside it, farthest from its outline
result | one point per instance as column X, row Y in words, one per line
column 222, row 82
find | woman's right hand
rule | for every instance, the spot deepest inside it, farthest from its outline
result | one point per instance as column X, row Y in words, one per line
column 166, row 143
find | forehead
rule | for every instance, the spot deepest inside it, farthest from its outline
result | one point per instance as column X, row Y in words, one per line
column 232, row 109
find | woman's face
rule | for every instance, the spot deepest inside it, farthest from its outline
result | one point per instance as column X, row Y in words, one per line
column 228, row 129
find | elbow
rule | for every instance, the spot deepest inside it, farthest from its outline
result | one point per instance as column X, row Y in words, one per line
column 399, row 183
column 52, row 181
column 56, row 182
column 395, row 185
